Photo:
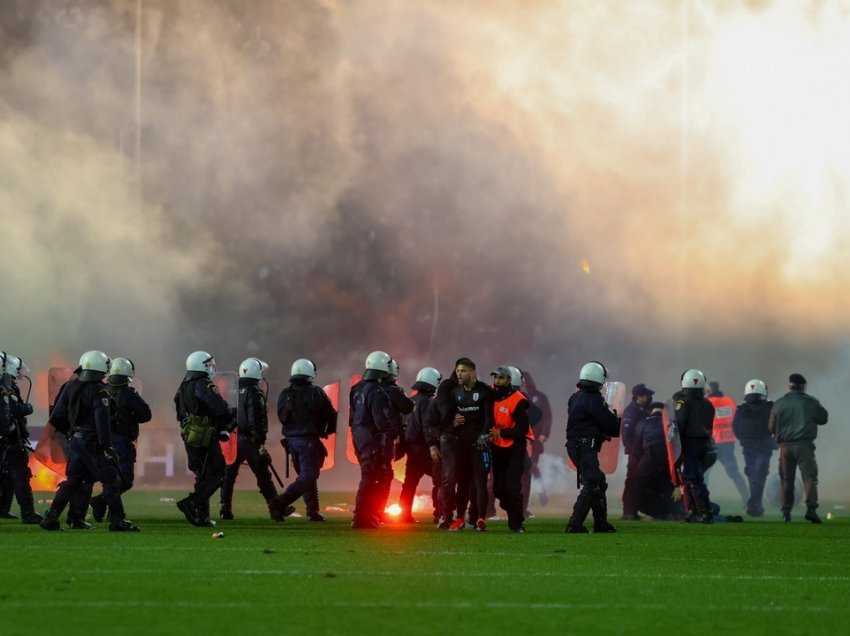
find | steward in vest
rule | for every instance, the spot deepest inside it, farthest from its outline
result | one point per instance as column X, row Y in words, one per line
column 129, row 410
column 589, row 424
column 306, row 415
column 508, row 438
column 252, row 425
column 205, row 420
column 724, row 437
column 419, row 444
column 83, row 410
column 14, row 440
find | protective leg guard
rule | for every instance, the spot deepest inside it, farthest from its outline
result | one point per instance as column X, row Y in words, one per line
column 98, row 507
column 580, row 511
column 600, row 513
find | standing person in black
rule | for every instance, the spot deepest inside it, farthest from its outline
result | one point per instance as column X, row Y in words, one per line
column 252, row 426
column 648, row 484
column 540, row 419
column 128, row 411
column 205, row 419
column 590, row 423
column 466, row 416
column 83, row 410
column 14, row 440
column 750, row 427
column 418, row 444
column 695, row 421
column 373, row 434
column 508, row 440
column 637, row 409
column 399, row 406
column 306, row 415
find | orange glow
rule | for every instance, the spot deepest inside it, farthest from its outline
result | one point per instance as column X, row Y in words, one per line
column 393, row 510
column 43, row 479
column 40, row 380
column 585, row 266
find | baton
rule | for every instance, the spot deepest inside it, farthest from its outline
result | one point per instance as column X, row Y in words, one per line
column 274, row 472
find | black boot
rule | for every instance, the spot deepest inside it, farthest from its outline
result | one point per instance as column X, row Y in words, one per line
column 28, row 514
column 204, row 520
column 280, row 508
column 812, row 515
column 226, row 498
column 98, row 507
column 600, row 514
column 580, row 510
column 51, row 521
column 187, row 507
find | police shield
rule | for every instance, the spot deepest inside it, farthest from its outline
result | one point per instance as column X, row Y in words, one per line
column 615, row 396
column 671, row 440
column 227, row 383
column 51, row 450
column 332, row 391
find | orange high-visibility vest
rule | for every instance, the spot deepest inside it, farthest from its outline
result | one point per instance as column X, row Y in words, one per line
column 503, row 416
column 724, row 413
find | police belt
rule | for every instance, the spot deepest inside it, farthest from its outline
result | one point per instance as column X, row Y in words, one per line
column 84, row 434
column 589, row 442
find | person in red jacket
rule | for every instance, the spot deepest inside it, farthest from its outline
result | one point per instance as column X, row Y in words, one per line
column 724, row 437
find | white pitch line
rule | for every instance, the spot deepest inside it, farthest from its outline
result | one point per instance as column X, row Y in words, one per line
column 322, row 573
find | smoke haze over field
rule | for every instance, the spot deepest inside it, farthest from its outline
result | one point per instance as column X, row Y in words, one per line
column 326, row 178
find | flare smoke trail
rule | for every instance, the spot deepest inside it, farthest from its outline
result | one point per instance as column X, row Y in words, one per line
column 655, row 185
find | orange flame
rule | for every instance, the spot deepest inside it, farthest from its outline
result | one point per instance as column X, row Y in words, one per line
column 43, row 479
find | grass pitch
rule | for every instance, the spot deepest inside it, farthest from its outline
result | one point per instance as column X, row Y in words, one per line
column 758, row 577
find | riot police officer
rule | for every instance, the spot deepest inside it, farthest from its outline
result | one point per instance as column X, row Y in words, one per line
column 14, row 438
column 420, row 444
column 129, row 410
column 399, row 407
column 750, row 427
column 695, row 421
column 590, row 423
column 252, row 426
column 83, row 410
column 306, row 415
column 205, row 419
column 373, row 433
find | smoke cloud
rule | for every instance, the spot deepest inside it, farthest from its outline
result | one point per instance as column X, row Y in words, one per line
column 658, row 186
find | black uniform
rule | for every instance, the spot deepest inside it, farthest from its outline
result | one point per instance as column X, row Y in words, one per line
column 399, row 406
column 204, row 417
column 418, row 441
column 589, row 424
column 15, row 473
column 83, row 409
column 128, row 411
column 648, row 484
column 252, row 427
column 632, row 415
column 306, row 416
column 695, row 421
column 373, row 433
column 465, row 468
column 750, row 427
column 540, row 420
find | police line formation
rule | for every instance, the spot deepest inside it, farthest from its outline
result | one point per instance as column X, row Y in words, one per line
column 460, row 431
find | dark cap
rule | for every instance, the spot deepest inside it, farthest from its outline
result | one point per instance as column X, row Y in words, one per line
column 641, row 389
column 501, row 372
column 797, row 378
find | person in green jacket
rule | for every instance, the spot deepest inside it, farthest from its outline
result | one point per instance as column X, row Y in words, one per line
column 794, row 423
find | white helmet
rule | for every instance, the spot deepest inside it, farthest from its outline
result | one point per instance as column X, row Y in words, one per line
column 516, row 377
column 95, row 361
column 393, row 368
column 305, row 367
column 379, row 361
column 755, row 386
column 594, row 371
column 13, row 365
column 251, row 368
column 201, row 361
column 123, row 366
column 429, row 375
column 693, row 379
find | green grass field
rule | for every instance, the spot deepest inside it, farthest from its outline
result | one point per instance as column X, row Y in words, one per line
column 298, row 577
